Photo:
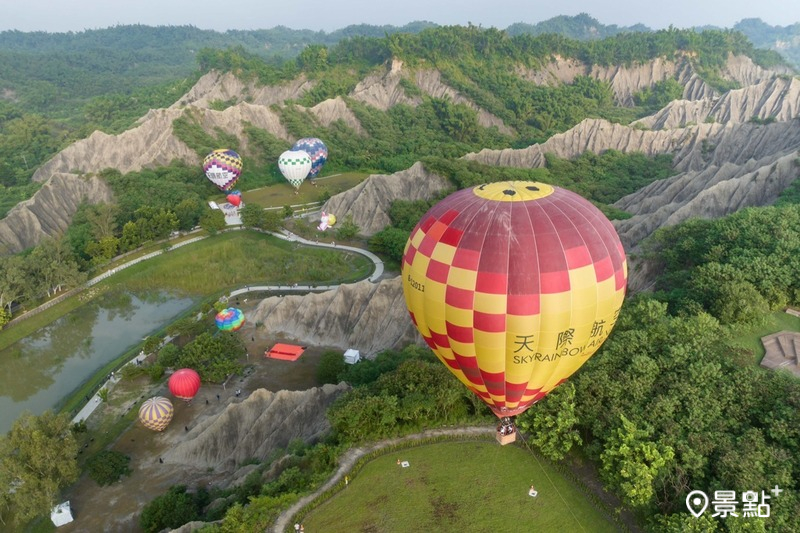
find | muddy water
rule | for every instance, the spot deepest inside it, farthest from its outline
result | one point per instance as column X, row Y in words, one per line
column 39, row 371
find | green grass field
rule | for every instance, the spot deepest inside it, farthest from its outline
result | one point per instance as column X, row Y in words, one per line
column 750, row 338
column 460, row 487
column 283, row 193
column 234, row 259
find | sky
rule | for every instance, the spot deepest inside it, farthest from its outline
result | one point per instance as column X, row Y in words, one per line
column 329, row 15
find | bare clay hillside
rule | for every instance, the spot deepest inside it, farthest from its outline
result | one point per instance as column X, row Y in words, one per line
column 366, row 316
column 152, row 142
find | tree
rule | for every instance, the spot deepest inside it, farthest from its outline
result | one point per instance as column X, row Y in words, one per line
column 13, row 280
column 331, row 367
column 272, row 221
column 214, row 357
column 347, row 229
column 108, row 467
column 37, row 459
column 390, row 241
column 188, row 212
column 104, row 250
column 168, row 355
column 252, row 215
column 213, row 221
column 170, row 510
column 632, row 463
column 552, row 423
column 53, row 267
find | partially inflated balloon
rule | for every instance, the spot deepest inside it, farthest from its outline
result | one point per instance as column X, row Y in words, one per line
column 234, row 199
column 184, row 384
column 231, row 319
column 514, row 286
column 295, row 166
column 156, row 413
column 316, row 150
column 223, row 167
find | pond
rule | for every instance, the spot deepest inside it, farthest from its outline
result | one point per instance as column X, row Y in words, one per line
column 40, row 371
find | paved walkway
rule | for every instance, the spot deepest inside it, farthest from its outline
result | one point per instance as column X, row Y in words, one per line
column 351, row 456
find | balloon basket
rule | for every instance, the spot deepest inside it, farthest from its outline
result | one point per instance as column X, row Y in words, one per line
column 506, row 439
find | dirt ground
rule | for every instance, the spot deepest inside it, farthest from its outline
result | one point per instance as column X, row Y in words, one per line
column 116, row 508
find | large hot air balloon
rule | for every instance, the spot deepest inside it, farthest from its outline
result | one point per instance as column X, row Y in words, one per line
column 316, row 150
column 230, row 319
column 184, row 384
column 295, row 166
column 156, row 413
column 514, row 285
column 223, row 167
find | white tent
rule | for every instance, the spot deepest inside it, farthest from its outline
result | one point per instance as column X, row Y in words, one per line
column 61, row 514
column 352, row 356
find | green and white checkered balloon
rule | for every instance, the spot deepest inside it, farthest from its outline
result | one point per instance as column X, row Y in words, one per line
column 295, row 166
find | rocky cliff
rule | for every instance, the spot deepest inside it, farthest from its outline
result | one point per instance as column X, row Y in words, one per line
column 776, row 99
column 225, row 87
column 50, row 211
column 369, row 317
column 627, row 80
column 254, row 428
column 384, row 90
column 368, row 202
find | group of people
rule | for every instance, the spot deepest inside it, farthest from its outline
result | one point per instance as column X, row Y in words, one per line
column 299, row 527
column 506, row 428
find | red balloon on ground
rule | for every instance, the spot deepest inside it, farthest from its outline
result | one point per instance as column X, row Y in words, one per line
column 235, row 199
column 184, row 384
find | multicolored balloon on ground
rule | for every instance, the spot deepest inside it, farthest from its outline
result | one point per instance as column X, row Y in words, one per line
column 230, row 319
column 223, row 167
column 316, row 150
column 514, row 285
column 184, row 384
column 156, row 413
column 295, row 166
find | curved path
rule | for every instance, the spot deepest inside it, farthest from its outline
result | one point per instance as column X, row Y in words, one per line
column 93, row 402
column 352, row 455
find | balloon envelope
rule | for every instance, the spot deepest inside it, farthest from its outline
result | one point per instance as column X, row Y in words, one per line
column 156, row 413
column 230, row 319
column 295, row 166
column 514, row 286
column 184, row 383
column 223, row 167
column 316, row 150
column 234, row 199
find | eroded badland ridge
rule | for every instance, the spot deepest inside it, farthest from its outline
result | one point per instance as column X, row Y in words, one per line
column 726, row 160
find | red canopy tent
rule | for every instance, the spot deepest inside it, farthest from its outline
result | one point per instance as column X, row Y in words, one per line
column 286, row 352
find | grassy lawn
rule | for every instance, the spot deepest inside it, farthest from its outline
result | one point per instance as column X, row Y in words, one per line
column 231, row 260
column 283, row 193
column 458, row 486
column 750, row 338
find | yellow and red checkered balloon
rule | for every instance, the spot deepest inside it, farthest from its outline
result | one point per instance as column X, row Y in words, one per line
column 514, row 285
